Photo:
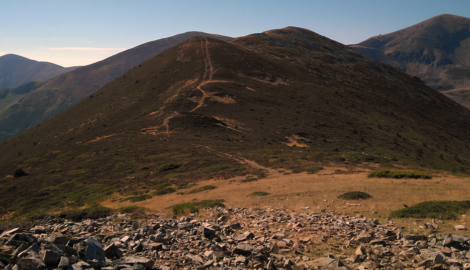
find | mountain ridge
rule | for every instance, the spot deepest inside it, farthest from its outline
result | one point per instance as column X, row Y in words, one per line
column 16, row 70
column 43, row 100
column 436, row 50
column 288, row 99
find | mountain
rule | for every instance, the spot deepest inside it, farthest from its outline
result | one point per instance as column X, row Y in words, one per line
column 286, row 98
column 28, row 105
column 16, row 70
column 436, row 50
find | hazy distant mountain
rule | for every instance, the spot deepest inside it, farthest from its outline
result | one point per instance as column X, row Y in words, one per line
column 16, row 70
column 205, row 109
column 436, row 50
column 32, row 104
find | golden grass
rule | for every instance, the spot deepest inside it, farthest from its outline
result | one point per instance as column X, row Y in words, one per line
column 313, row 192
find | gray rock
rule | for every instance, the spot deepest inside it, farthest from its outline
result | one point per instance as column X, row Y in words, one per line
column 131, row 260
column 50, row 258
column 64, row 262
column 95, row 252
column 243, row 249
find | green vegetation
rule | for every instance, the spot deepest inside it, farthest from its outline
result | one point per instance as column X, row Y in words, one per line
column 313, row 170
column 93, row 212
column 164, row 191
column 386, row 165
column 75, row 172
column 351, row 156
column 54, row 171
column 399, row 174
column 216, row 168
column 158, row 156
column 196, row 206
column 434, row 209
column 203, row 188
column 84, row 155
column 354, row 195
column 167, row 167
column 187, row 186
column 120, row 166
column 249, row 179
column 174, row 175
column 140, row 198
column 162, row 185
column 144, row 168
column 259, row 193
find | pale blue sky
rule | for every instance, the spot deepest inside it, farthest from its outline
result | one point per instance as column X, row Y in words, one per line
column 70, row 33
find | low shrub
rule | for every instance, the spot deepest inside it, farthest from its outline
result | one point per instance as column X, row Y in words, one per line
column 54, row 171
column 216, row 168
column 158, row 156
column 259, row 193
column 140, row 198
column 354, row 195
column 19, row 173
column 174, row 175
column 144, row 168
column 434, row 209
column 203, row 188
column 167, row 167
column 190, row 185
column 164, row 191
column 93, row 212
column 249, row 179
column 196, row 206
column 313, row 170
column 399, row 174
column 162, row 185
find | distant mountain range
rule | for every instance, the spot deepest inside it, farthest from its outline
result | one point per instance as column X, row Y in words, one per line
column 436, row 50
column 16, row 70
column 204, row 109
column 33, row 103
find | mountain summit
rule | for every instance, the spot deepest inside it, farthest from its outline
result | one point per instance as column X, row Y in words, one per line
column 436, row 50
column 286, row 98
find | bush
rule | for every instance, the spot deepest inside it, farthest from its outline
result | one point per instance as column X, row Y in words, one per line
column 54, row 171
column 19, row 173
column 250, row 179
column 399, row 174
column 313, row 170
column 216, row 168
column 190, row 185
column 259, row 193
column 93, row 212
column 162, row 185
column 174, row 175
column 196, row 206
column 158, row 156
column 131, row 209
column 140, row 198
column 167, row 167
column 203, row 188
column 434, row 209
column 164, row 191
column 354, row 195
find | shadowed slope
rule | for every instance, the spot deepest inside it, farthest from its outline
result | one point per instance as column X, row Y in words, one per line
column 286, row 98
column 19, row 112
column 16, row 70
column 436, row 50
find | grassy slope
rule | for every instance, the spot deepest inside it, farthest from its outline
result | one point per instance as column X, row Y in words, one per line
column 344, row 106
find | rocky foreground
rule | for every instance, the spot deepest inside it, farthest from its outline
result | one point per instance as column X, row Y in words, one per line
column 233, row 239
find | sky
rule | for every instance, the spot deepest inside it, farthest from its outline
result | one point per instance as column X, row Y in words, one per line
column 76, row 33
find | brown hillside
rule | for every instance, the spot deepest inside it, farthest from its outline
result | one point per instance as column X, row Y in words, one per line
column 436, row 50
column 286, row 98
column 35, row 103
